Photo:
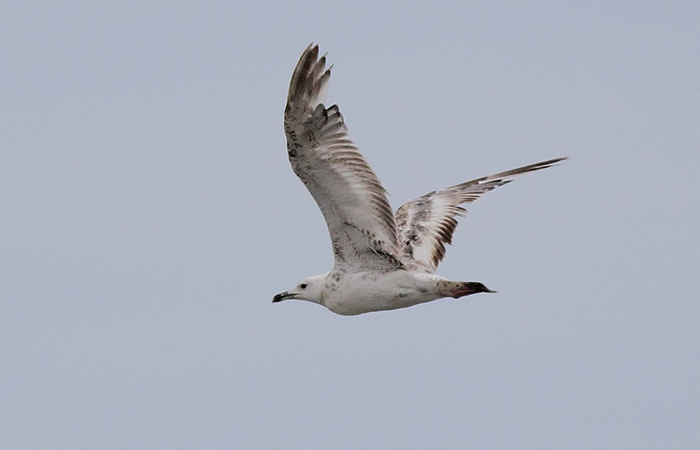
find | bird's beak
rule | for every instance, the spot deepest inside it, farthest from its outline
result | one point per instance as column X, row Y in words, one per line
column 283, row 296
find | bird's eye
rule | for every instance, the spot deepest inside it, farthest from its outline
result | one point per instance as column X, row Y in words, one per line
column 302, row 285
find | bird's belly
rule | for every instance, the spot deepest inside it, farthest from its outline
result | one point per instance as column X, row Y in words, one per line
column 366, row 292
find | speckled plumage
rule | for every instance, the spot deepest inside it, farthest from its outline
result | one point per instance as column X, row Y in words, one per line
column 382, row 261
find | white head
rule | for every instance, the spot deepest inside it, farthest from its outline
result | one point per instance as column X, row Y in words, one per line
column 310, row 289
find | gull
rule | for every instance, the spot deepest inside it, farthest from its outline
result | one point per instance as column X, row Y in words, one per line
column 382, row 261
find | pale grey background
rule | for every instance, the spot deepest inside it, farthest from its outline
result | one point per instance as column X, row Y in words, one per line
column 149, row 214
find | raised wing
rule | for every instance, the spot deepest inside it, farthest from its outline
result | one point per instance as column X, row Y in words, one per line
column 427, row 223
column 349, row 194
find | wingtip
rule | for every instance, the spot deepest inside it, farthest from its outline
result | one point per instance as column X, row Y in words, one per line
column 554, row 162
column 309, row 82
column 550, row 162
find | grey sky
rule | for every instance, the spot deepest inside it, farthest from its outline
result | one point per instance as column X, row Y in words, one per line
column 149, row 214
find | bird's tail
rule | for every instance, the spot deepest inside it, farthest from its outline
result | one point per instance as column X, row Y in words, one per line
column 457, row 289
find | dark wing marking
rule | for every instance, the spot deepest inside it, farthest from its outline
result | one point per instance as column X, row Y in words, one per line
column 353, row 202
column 427, row 223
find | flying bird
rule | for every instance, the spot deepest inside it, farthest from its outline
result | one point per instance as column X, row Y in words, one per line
column 382, row 260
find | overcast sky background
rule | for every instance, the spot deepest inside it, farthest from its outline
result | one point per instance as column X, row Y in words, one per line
column 149, row 214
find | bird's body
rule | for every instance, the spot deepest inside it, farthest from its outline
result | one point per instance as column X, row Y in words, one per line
column 354, row 293
column 383, row 260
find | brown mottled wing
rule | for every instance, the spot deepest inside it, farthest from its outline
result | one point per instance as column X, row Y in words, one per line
column 427, row 223
column 353, row 202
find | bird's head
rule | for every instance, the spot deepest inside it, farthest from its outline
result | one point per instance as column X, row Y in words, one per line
column 309, row 289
